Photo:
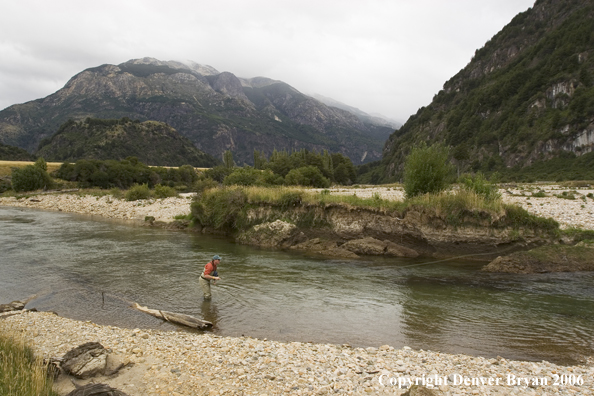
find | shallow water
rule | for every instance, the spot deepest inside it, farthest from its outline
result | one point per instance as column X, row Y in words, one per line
column 91, row 269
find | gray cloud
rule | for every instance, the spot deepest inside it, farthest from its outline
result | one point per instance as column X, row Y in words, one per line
column 382, row 56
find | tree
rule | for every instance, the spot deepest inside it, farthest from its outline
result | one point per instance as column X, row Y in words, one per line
column 31, row 177
column 427, row 170
column 228, row 159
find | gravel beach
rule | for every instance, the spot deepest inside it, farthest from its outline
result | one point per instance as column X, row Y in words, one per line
column 185, row 363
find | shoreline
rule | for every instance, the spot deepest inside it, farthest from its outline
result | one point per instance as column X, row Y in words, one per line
column 183, row 363
column 577, row 212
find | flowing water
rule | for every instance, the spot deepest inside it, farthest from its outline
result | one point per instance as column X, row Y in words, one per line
column 90, row 269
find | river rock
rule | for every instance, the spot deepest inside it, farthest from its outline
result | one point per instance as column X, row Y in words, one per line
column 325, row 248
column 96, row 390
column 417, row 390
column 269, row 234
column 13, row 306
column 375, row 247
column 86, row 360
column 556, row 258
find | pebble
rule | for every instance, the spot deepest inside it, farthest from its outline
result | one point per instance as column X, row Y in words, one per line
column 184, row 363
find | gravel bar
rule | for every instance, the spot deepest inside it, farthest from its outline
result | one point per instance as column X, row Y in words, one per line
column 184, row 363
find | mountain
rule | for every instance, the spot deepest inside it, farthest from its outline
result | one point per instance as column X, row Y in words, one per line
column 377, row 119
column 152, row 142
column 12, row 153
column 216, row 111
column 524, row 102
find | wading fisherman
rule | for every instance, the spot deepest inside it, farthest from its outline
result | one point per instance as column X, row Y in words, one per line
column 209, row 273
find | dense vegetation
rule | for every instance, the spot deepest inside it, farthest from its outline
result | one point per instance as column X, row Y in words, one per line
column 152, row 142
column 522, row 101
column 124, row 174
column 12, row 153
column 302, row 168
column 227, row 208
column 31, row 177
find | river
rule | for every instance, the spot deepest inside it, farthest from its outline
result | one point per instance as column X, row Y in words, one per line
column 91, row 269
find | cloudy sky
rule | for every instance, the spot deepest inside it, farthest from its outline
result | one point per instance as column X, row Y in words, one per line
column 382, row 56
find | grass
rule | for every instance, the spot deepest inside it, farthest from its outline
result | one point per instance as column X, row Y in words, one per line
column 227, row 208
column 21, row 373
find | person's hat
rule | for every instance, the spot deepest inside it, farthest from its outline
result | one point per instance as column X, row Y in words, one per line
column 216, row 257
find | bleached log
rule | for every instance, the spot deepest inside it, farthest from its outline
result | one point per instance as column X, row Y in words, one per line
column 178, row 318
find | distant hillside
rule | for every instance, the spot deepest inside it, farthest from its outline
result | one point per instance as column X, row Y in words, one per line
column 216, row 111
column 153, row 143
column 526, row 98
column 12, row 153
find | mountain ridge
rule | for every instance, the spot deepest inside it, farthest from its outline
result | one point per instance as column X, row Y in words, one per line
column 216, row 111
column 526, row 97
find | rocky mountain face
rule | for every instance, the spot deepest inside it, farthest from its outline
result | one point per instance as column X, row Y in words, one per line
column 216, row 111
column 525, row 99
column 152, row 142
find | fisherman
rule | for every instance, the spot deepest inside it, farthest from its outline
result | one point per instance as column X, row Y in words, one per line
column 209, row 273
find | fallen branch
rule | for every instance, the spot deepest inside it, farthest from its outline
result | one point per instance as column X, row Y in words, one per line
column 182, row 319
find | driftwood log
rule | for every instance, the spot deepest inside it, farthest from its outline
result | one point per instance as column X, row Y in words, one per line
column 182, row 319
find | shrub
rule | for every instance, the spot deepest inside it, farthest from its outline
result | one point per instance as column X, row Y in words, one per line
column 427, row 170
column 204, row 184
column 307, row 176
column 116, row 193
column 480, row 185
column 290, row 199
column 164, row 191
column 29, row 178
column 138, row 192
column 220, row 209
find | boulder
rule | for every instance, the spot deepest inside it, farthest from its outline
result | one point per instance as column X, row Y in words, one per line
column 325, row 248
column 552, row 258
column 368, row 246
column 417, row 390
column 96, row 390
column 375, row 247
column 86, row 360
column 395, row 250
column 13, row 306
column 270, row 234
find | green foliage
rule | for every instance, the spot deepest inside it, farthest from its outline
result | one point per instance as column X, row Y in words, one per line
column 123, row 174
column 31, row 177
column 112, row 139
column 228, row 159
column 164, row 191
column 519, row 217
column 12, row 153
column 249, row 176
column 481, row 186
column 5, row 185
column 307, row 176
column 427, row 170
column 220, row 209
column 21, row 374
column 218, row 173
column 500, row 110
column 138, row 192
column 204, row 184
column 291, row 199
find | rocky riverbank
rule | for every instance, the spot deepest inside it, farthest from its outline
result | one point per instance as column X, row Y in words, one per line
column 574, row 209
column 182, row 363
